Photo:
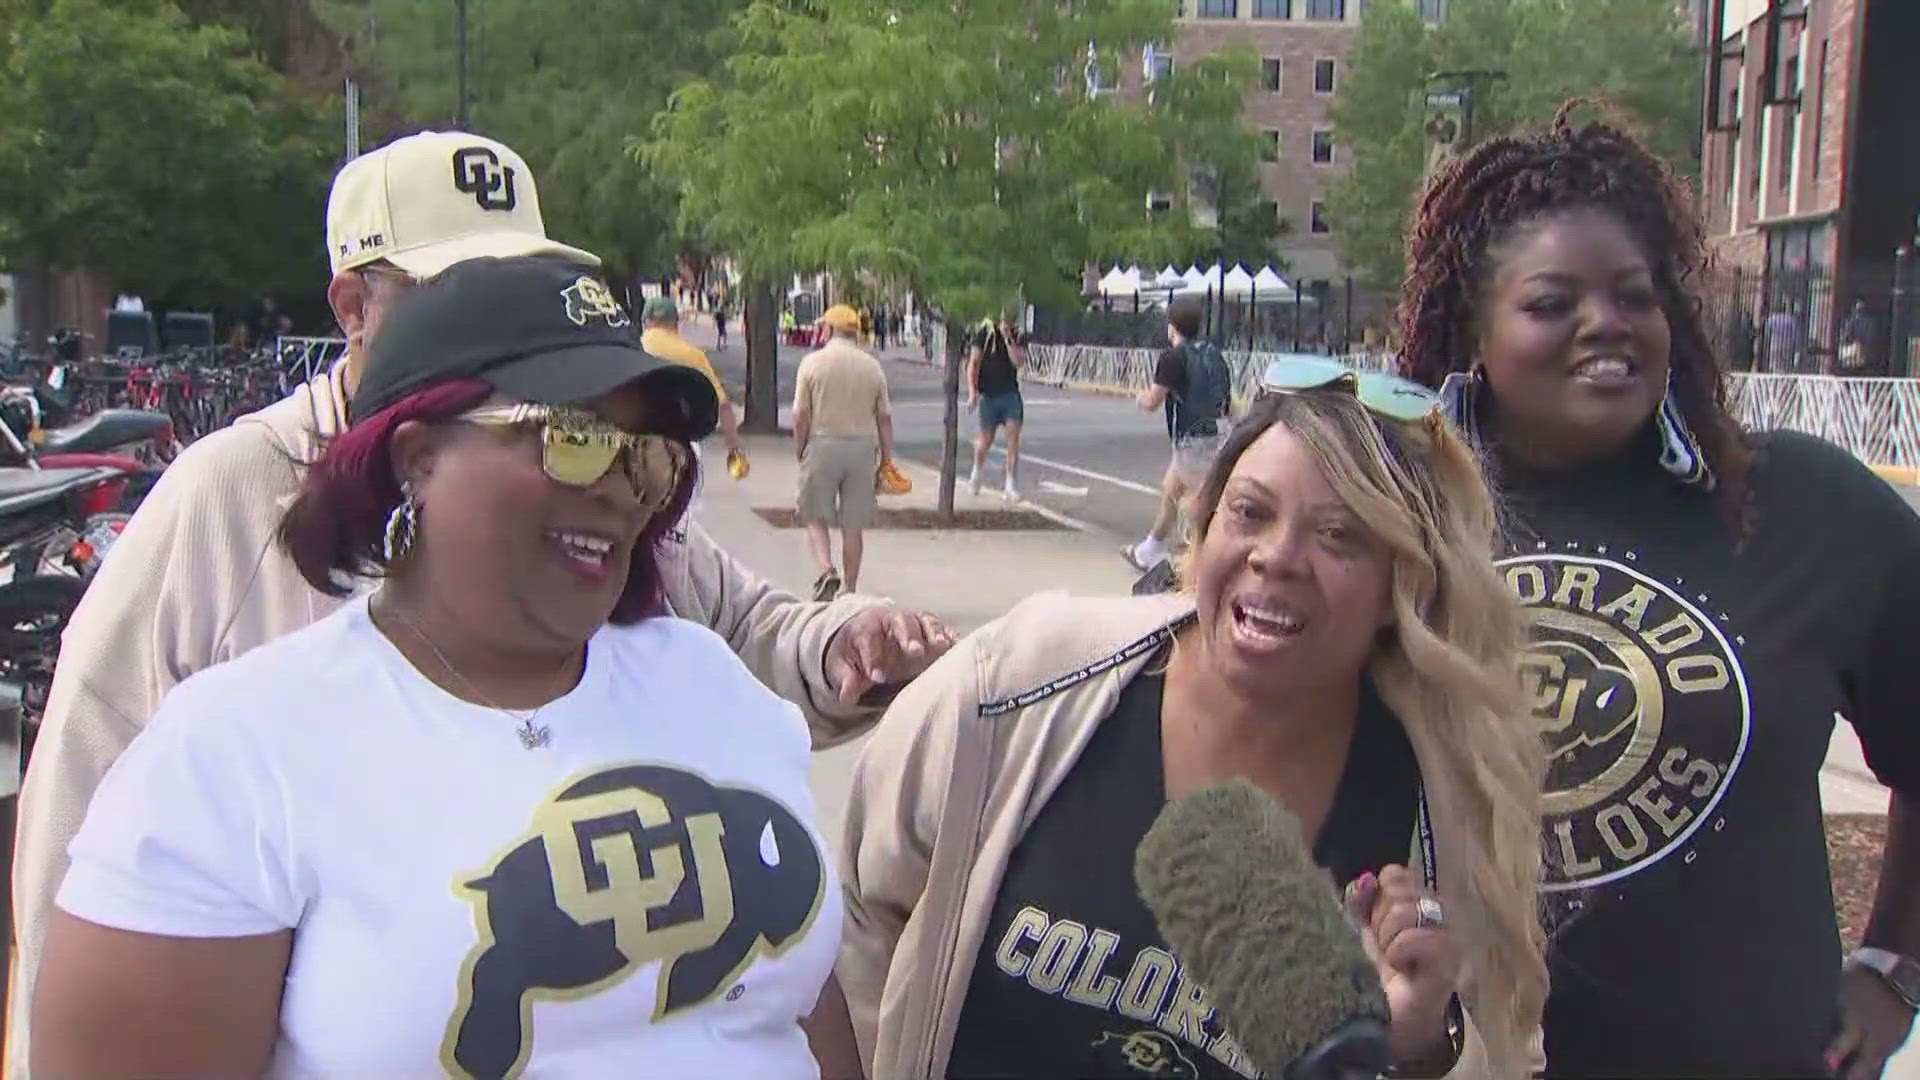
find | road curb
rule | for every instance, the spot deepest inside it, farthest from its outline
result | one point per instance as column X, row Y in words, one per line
column 930, row 475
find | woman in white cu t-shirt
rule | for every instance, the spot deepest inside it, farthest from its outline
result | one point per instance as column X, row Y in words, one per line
column 500, row 817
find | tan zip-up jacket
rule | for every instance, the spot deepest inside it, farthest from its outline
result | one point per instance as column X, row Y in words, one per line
column 951, row 779
column 197, row 579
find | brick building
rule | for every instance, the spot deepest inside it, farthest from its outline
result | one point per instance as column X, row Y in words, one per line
column 1303, row 49
column 1810, row 174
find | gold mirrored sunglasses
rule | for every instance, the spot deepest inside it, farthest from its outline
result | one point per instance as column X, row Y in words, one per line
column 577, row 448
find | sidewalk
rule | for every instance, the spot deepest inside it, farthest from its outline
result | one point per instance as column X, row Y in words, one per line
column 967, row 577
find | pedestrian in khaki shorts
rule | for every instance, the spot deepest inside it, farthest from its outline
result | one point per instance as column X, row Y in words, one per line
column 842, row 434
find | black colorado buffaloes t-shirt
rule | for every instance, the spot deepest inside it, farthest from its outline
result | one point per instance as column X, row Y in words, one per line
column 1687, row 688
column 1073, row 980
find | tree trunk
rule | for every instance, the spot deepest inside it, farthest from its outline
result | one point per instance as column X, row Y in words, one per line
column 950, row 430
column 763, row 361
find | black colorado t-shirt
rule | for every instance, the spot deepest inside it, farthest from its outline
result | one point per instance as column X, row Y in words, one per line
column 1073, row 980
column 1687, row 688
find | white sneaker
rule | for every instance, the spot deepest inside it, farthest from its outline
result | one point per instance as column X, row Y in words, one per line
column 1010, row 491
column 1146, row 553
column 973, row 485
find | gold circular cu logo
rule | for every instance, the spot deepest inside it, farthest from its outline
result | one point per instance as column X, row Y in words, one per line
column 1644, row 709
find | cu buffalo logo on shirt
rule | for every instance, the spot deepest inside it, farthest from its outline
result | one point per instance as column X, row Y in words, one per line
column 629, row 866
column 1616, row 656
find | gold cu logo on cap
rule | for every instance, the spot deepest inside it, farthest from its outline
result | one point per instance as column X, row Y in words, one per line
column 477, row 172
column 587, row 299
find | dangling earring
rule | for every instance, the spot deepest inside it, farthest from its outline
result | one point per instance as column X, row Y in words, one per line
column 403, row 527
column 1680, row 453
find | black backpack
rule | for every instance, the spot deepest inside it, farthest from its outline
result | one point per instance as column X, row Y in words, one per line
column 1209, row 385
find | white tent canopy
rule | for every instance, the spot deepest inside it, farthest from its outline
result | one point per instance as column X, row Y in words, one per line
column 1239, row 283
column 1120, row 281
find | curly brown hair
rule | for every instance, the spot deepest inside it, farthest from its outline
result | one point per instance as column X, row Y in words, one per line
column 1504, row 185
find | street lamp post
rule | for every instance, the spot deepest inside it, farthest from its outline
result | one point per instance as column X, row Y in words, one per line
column 460, row 63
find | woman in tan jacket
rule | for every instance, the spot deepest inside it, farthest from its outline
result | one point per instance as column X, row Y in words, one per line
column 1344, row 643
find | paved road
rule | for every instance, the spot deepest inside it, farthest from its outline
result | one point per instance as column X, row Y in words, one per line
column 1094, row 458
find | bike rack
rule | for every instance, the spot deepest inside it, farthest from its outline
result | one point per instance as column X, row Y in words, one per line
column 301, row 358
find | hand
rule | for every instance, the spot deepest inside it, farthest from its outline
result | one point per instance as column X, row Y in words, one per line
column 737, row 464
column 1419, row 965
column 1873, row 1024
column 881, row 645
column 973, row 398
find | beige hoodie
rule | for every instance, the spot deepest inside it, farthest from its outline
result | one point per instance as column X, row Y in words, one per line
column 952, row 777
column 197, row 579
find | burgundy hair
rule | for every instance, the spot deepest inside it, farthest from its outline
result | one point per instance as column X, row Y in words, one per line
column 336, row 527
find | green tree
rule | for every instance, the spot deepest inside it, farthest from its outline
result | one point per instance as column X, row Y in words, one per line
column 566, row 83
column 1225, row 156
column 160, row 154
column 949, row 148
column 1635, row 55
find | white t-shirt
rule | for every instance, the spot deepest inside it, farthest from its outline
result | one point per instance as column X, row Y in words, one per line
column 645, row 895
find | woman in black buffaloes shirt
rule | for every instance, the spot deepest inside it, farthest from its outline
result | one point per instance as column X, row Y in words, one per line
column 1704, row 603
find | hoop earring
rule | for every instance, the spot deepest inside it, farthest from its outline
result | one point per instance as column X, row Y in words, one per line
column 403, row 527
column 1680, row 453
column 1460, row 400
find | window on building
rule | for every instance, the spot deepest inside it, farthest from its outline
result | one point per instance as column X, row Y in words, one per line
column 1789, row 137
column 1322, row 146
column 1270, row 145
column 1158, row 203
column 1270, row 74
column 1819, row 112
column 1161, row 68
column 1219, row 9
column 1327, row 10
column 1323, row 76
column 1433, row 11
column 1733, row 153
column 1102, row 74
column 1789, row 121
column 1273, row 9
column 1318, row 218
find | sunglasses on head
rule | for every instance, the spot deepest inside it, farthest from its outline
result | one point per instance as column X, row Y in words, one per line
column 577, row 448
column 1387, row 396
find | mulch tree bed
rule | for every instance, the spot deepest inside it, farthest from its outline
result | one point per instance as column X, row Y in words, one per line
column 1853, row 849
column 918, row 518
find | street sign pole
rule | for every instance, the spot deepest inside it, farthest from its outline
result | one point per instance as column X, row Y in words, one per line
column 353, row 119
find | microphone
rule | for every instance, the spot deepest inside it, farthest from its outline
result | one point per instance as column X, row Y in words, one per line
column 1234, row 889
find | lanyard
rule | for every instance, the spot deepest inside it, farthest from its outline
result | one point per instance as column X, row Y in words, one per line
column 1423, row 822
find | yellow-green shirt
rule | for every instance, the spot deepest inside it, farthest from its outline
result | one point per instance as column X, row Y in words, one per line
column 668, row 345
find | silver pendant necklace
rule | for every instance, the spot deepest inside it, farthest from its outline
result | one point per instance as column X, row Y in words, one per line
column 532, row 736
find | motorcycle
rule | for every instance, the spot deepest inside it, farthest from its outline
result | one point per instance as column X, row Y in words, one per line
column 135, row 442
column 37, row 507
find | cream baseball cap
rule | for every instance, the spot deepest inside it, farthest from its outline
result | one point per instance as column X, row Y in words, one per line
column 428, row 201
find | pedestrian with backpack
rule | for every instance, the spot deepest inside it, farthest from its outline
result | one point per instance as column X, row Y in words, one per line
column 1192, row 382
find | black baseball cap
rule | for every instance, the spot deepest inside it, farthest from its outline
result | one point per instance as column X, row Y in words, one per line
column 537, row 329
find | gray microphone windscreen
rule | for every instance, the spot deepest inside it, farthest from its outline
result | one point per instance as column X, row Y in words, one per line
column 1234, row 889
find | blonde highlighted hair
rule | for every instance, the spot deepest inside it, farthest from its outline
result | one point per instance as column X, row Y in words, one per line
column 1449, row 668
